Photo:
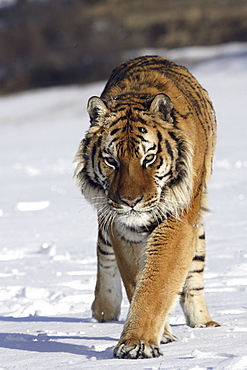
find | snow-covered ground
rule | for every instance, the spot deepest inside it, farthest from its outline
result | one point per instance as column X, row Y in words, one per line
column 48, row 233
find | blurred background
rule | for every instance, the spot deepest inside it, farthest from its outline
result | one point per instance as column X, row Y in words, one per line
column 57, row 42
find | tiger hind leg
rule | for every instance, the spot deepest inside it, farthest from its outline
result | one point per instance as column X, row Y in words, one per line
column 167, row 336
column 192, row 298
column 108, row 295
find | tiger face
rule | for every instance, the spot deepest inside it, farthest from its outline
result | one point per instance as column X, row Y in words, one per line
column 140, row 162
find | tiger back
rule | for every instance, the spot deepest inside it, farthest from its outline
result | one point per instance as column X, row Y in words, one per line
column 144, row 164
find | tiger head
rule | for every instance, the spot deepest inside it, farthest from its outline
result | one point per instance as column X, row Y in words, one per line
column 134, row 162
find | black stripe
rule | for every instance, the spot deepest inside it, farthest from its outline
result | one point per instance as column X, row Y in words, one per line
column 133, row 142
column 129, row 239
column 199, row 258
column 121, row 106
column 117, row 109
column 151, row 227
column 169, row 149
column 139, row 120
column 99, row 169
column 144, row 229
column 160, row 177
column 91, row 182
column 99, row 141
column 169, row 173
column 121, row 118
column 160, row 138
column 142, row 138
column 202, row 236
column 103, row 239
column 105, row 253
column 114, row 131
column 115, row 139
column 153, row 252
column 160, row 164
column 132, row 95
column 173, row 136
column 94, row 149
column 184, row 116
column 105, row 267
column 141, row 109
column 86, row 144
column 197, row 271
column 152, row 148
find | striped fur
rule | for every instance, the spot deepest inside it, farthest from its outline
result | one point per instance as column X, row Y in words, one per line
column 144, row 164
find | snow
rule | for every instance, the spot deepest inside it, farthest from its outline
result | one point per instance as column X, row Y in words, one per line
column 48, row 234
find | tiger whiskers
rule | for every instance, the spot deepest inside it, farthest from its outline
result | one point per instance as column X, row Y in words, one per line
column 144, row 221
column 103, row 215
column 97, row 201
column 172, row 206
column 161, row 213
column 155, row 213
column 106, row 217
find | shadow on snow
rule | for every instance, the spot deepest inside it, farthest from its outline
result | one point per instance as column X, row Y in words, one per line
column 43, row 342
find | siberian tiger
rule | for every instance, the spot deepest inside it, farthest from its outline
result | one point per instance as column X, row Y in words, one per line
column 144, row 164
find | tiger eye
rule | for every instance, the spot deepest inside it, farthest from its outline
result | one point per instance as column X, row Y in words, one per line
column 142, row 130
column 149, row 157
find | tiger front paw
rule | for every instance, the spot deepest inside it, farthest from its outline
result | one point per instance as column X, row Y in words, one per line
column 134, row 348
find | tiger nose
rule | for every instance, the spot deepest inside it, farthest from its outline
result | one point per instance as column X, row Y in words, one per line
column 130, row 201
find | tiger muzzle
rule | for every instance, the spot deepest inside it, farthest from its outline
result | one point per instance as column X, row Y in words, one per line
column 131, row 202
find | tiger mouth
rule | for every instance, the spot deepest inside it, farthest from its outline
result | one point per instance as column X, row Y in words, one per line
column 132, row 211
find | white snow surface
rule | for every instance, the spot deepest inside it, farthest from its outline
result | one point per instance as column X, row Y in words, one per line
column 48, row 234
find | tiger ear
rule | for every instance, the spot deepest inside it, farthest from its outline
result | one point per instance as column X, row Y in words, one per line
column 96, row 109
column 162, row 104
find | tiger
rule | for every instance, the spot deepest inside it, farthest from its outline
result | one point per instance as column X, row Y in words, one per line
column 144, row 164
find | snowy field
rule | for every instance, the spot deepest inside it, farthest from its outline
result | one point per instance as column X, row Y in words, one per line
column 48, row 233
